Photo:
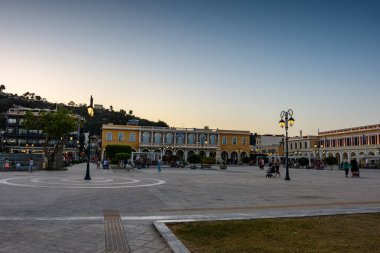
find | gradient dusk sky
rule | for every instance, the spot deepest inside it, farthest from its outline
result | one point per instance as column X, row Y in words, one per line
column 222, row 64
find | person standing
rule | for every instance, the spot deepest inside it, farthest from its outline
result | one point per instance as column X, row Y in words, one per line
column 159, row 165
column 31, row 165
column 346, row 166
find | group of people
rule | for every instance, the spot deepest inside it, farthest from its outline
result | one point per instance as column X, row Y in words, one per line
column 8, row 165
column 353, row 165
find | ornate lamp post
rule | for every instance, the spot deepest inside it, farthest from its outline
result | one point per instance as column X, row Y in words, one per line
column 90, row 111
column 285, row 122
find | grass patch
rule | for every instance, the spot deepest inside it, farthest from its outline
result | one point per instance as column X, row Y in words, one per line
column 322, row 234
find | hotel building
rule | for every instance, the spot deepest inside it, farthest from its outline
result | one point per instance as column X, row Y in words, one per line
column 182, row 142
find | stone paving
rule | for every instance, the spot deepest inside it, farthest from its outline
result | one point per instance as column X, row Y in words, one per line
column 59, row 212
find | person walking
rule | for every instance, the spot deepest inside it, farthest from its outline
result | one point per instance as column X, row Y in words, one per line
column 159, row 165
column 354, row 168
column 277, row 166
column 31, row 165
column 346, row 166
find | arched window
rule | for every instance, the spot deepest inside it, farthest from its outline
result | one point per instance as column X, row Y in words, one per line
column 202, row 139
column 169, row 138
column 191, row 139
column 212, row 139
column 146, row 138
column 180, row 139
column 157, row 138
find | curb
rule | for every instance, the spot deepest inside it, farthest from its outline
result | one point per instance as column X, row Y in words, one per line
column 178, row 247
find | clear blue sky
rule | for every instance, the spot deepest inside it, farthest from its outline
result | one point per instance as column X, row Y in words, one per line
column 222, row 64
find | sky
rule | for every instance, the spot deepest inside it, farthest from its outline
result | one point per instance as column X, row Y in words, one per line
column 223, row 64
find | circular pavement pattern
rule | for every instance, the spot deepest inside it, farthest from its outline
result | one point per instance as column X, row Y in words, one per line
column 100, row 183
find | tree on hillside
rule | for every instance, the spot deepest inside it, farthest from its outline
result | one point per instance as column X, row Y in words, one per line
column 32, row 96
column 2, row 87
column 55, row 125
column 130, row 112
column 26, row 95
column 111, row 108
column 123, row 112
column 71, row 103
column 38, row 98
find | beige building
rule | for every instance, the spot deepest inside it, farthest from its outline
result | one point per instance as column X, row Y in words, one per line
column 362, row 143
column 182, row 142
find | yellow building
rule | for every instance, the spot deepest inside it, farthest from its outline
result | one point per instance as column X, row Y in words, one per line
column 182, row 142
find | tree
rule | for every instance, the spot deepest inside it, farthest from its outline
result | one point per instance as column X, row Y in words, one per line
column 32, row 96
column 26, row 95
column 111, row 108
column 331, row 160
column 123, row 112
column 71, row 103
column 38, row 98
column 56, row 126
column 2, row 87
column 194, row 158
column 130, row 112
column 303, row 161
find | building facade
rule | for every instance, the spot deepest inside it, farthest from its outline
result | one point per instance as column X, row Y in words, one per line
column 182, row 142
column 362, row 143
column 17, row 139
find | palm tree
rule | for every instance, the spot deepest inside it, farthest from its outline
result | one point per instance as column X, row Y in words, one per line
column 2, row 87
column 130, row 112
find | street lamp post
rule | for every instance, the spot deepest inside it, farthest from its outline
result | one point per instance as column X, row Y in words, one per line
column 90, row 111
column 286, row 121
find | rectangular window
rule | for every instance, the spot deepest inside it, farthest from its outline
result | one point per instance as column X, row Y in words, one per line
column 120, row 136
column 234, row 140
column 10, row 130
column 132, row 137
column 224, row 140
column 11, row 121
column 109, row 136
column 291, row 145
column 300, row 145
column 243, row 141
column 295, row 145
column 305, row 144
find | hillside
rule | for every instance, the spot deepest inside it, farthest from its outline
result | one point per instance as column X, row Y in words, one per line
column 102, row 116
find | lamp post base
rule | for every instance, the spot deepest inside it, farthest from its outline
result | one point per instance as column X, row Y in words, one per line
column 87, row 177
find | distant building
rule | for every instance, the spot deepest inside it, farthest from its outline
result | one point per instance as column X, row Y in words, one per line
column 362, row 143
column 268, row 144
column 97, row 106
column 18, row 139
column 182, row 142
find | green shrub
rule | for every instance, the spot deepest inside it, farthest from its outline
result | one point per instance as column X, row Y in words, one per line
column 303, row 161
column 122, row 156
column 112, row 150
column 208, row 160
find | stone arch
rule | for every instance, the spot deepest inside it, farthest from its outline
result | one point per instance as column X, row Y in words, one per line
column 145, row 150
column 202, row 153
column 243, row 154
column 234, row 156
column 345, row 156
column 180, row 154
column 168, row 152
column 337, row 156
column 353, row 154
column 212, row 154
column 224, row 155
column 371, row 153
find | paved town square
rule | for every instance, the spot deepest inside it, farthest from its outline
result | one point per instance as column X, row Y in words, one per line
column 48, row 211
